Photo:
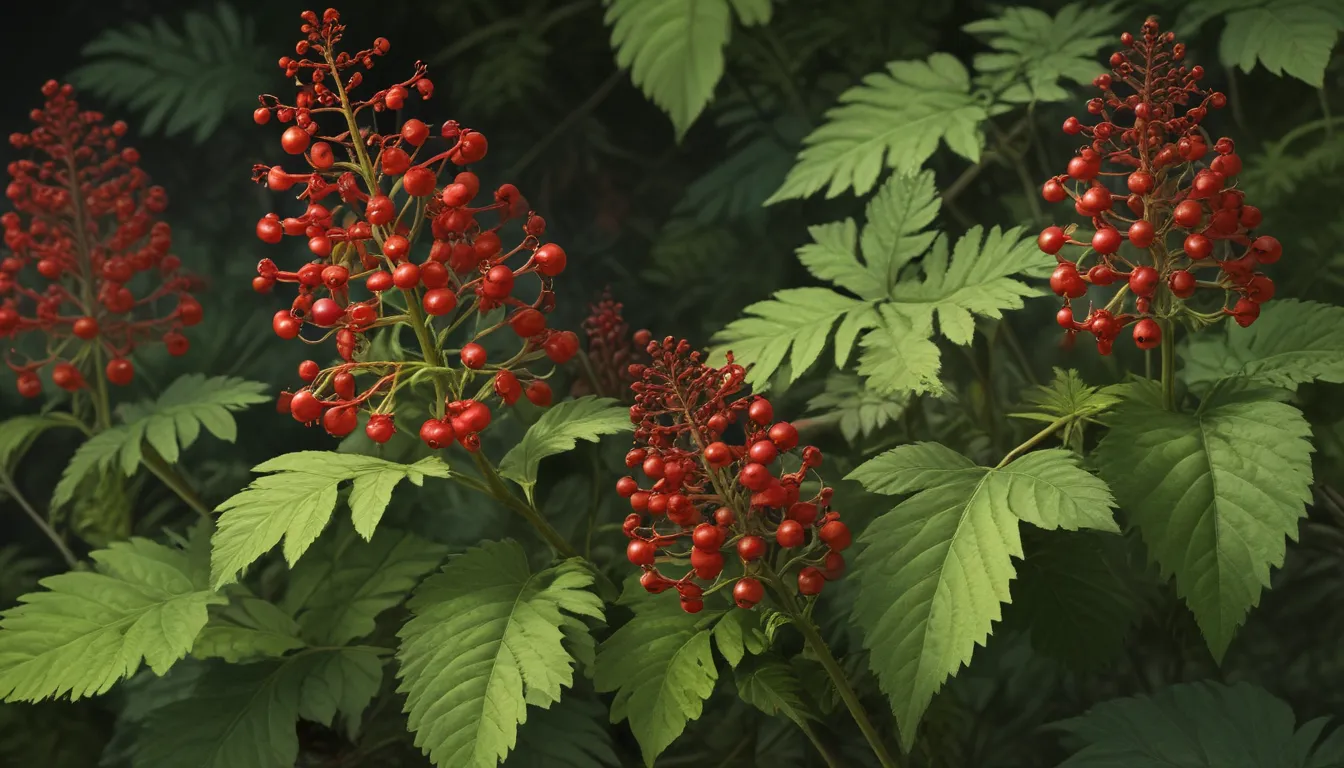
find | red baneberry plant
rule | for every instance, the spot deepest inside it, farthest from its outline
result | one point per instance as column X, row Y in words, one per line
column 88, row 264
column 1189, row 226
column 611, row 349
column 708, row 450
column 370, row 198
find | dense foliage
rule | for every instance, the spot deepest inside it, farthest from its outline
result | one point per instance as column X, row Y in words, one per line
column 830, row 437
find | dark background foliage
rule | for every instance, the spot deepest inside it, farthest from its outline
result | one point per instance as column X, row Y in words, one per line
column 679, row 234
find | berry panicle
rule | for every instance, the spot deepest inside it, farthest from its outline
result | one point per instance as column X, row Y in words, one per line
column 87, row 262
column 721, row 475
column 611, row 349
column 368, row 202
column 1189, row 227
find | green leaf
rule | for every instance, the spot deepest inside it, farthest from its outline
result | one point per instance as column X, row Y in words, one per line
column 739, row 633
column 770, row 685
column 894, row 119
column 1214, row 493
column 797, row 322
column 1199, row 725
column 571, row 734
column 662, row 669
column 295, row 500
column 484, row 643
column 1033, row 51
column 1077, row 595
column 898, row 357
column 936, row 567
column 183, row 81
column 169, row 425
column 674, row 49
column 343, row 583
column 860, row 410
column 558, row 430
column 246, row 628
column 1068, row 399
column 90, row 629
column 1292, row 37
column 1291, row 343
column 17, row 435
column 244, row 716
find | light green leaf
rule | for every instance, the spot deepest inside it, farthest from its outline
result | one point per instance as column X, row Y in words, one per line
column 898, row 357
column 90, row 629
column 484, row 643
column 894, row 119
column 662, row 669
column 1292, row 37
column 1033, row 51
column 558, row 430
column 1291, row 343
column 169, row 424
column 936, row 568
column 770, row 685
column 1214, row 493
column 1199, row 725
column 860, row 410
column 344, row 582
column 737, row 634
column 674, row 51
column 18, row 433
column 797, row 322
column 1067, row 398
column 896, row 233
column 571, row 734
column 246, row 628
column 753, row 12
column 343, row 682
column 297, row 500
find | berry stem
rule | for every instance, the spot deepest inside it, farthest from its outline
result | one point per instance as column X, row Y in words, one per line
column 833, row 669
column 102, row 412
column 175, row 482
column 12, row 490
column 1169, row 364
column 1034, row 440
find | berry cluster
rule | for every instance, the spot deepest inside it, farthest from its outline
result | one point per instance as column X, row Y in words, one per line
column 1152, row 137
column 712, row 485
column 102, row 280
column 610, row 351
column 384, row 191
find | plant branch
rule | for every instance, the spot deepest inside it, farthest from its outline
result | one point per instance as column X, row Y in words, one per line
column 501, row 493
column 175, row 482
column 1034, row 440
column 12, row 489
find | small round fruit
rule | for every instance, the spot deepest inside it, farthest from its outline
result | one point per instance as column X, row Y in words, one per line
column 498, row 282
column 439, row 301
column 1143, row 281
column 418, row 182
column 380, row 210
column 790, row 534
column 120, row 371
column 1267, row 249
column 85, row 328
column 803, row 512
column 527, row 322
column 1140, row 182
column 538, row 393
column 309, row 369
column 762, row 452
column 1097, row 199
column 1188, row 214
column 1260, row 289
column 1197, row 246
column 473, row 356
column 1106, row 240
column 304, row 407
column 834, row 567
column 1245, row 312
column 1182, row 284
column 654, row 583
column 326, row 312
column 718, row 454
column 755, row 477
column 747, row 592
column 707, row 537
column 1051, row 240
column 380, row 428
column 707, row 565
column 285, row 325
column 550, row 259
column 295, row 140
column 340, row 421
column 784, row 435
column 436, row 433
column 750, row 548
column 406, row 276
column 810, row 581
column 836, row 535
column 396, row 247
column 1147, row 334
column 1053, row 192
column 760, row 411
column 1141, row 233
column 641, row 552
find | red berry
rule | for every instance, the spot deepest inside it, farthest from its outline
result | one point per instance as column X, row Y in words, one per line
column 539, row 393
column 1188, row 214
column 750, row 548
column 560, row 347
column 473, row 356
column 285, row 325
column 326, row 312
column 308, row 370
column 1053, row 192
column 396, row 247
column 85, row 327
column 747, row 592
column 1141, row 233
column 1106, row 240
column 269, row 230
column 475, row 417
column 1101, row 274
column 456, row 195
column 419, row 182
column 406, row 276
column 836, row 535
column 1064, row 318
column 760, row 411
column 1143, row 281
column 1182, row 284
column 1245, row 312
column 507, row 387
column 1147, row 334
column 810, row 581
column 436, row 434
column 1097, row 199
column 176, row 343
column 1198, row 246
column 692, row 604
column 378, row 282
column 320, row 156
column 626, row 487
column 380, row 210
column 120, row 371
column 1051, row 240
column 1140, row 182
column 396, row 97
column 29, row 384
column 762, row 452
column 261, row 115
column 754, row 476
column 1072, row 126
column 707, row 537
column 380, row 428
column 784, row 435
column 395, row 161
column 550, row 259
column 654, row 583
column 439, row 301
column 718, row 454
column 1250, row 217
column 498, row 282
column 527, row 322
column 707, row 565
column 804, row 513
column 414, row 132
column 341, row 420
column 294, row 140
column 834, row 567
column 471, row 148
column 1267, row 249
column 1229, row 165
column 304, row 407
column 641, row 552
column 1260, row 289
column 790, row 534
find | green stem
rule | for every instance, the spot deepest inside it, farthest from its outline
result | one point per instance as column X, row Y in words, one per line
column 175, row 482
column 495, row 484
column 12, row 489
column 811, row 735
column 818, row 646
column 1034, row 440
